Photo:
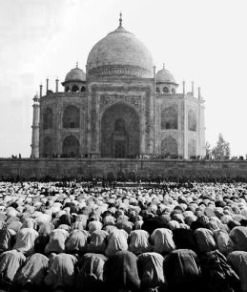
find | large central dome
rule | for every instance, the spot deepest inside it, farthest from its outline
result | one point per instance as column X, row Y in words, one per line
column 120, row 54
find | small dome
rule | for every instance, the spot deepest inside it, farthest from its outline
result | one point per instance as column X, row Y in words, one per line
column 75, row 74
column 164, row 75
column 120, row 53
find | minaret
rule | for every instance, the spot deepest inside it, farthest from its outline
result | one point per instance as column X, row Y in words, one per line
column 35, row 128
column 192, row 88
column 57, row 82
column 47, row 85
column 183, row 88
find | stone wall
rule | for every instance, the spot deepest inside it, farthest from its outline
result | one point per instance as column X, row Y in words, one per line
column 88, row 168
column 58, row 102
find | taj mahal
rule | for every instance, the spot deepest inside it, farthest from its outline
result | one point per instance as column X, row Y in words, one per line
column 121, row 107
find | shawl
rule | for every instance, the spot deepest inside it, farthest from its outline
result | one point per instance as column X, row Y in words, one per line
column 121, row 272
column 25, row 240
column 7, row 237
column 56, row 242
column 238, row 236
column 139, row 241
column 94, row 225
column 45, row 228
column 150, row 267
column 217, row 274
column 90, row 276
column 109, row 228
column 238, row 260
column 98, row 241
column 82, row 219
column 162, row 239
column 205, row 240
column 77, row 225
column 61, row 272
column 10, row 262
column 27, row 223
column 151, row 224
column 43, row 238
column 223, row 241
column 184, row 239
column 109, row 219
column 65, row 219
column 173, row 224
column 117, row 241
column 182, row 271
column 77, row 241
column 33, row 271
column 14, row 224
column 125, row 225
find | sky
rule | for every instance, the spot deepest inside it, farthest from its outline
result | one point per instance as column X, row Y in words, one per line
column 204, row 41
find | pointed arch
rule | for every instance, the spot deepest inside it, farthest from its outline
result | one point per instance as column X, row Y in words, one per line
column 169, row 118
column 48, row 118
column 169, row 146
column 71, row 147
column 75, row 88
column 47, row 147
column 71, row 117
column 120, row 132
column 166, row 89
column 192, row 148
column 192, row 121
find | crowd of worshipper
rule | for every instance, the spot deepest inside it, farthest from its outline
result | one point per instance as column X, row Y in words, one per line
column 62, row 237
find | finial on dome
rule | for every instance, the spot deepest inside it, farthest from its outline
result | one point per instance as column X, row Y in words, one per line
column 163, row 66
column 120, row 19
column 76, row 64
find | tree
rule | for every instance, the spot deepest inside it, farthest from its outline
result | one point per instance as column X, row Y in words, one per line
column 222, row 149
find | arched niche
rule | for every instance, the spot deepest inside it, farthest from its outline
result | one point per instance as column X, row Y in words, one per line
column 192, row 125
column 71, row 117
column 75, row 88
column 192, row 148
column 47, row 147
column 169, row 147
column 120, row 132
column 165, row 89
column 47, row 118
column 71, row 147
column 169, row 118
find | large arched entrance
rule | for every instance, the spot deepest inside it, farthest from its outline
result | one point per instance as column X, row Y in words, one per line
column 120, row 132
column 47, row 147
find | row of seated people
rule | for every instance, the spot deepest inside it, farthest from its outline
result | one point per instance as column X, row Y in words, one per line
column 62, row 238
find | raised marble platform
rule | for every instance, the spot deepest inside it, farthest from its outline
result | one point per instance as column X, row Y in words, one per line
column 120, row 168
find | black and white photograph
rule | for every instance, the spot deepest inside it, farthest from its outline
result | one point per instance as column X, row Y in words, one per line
column 123, row 156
